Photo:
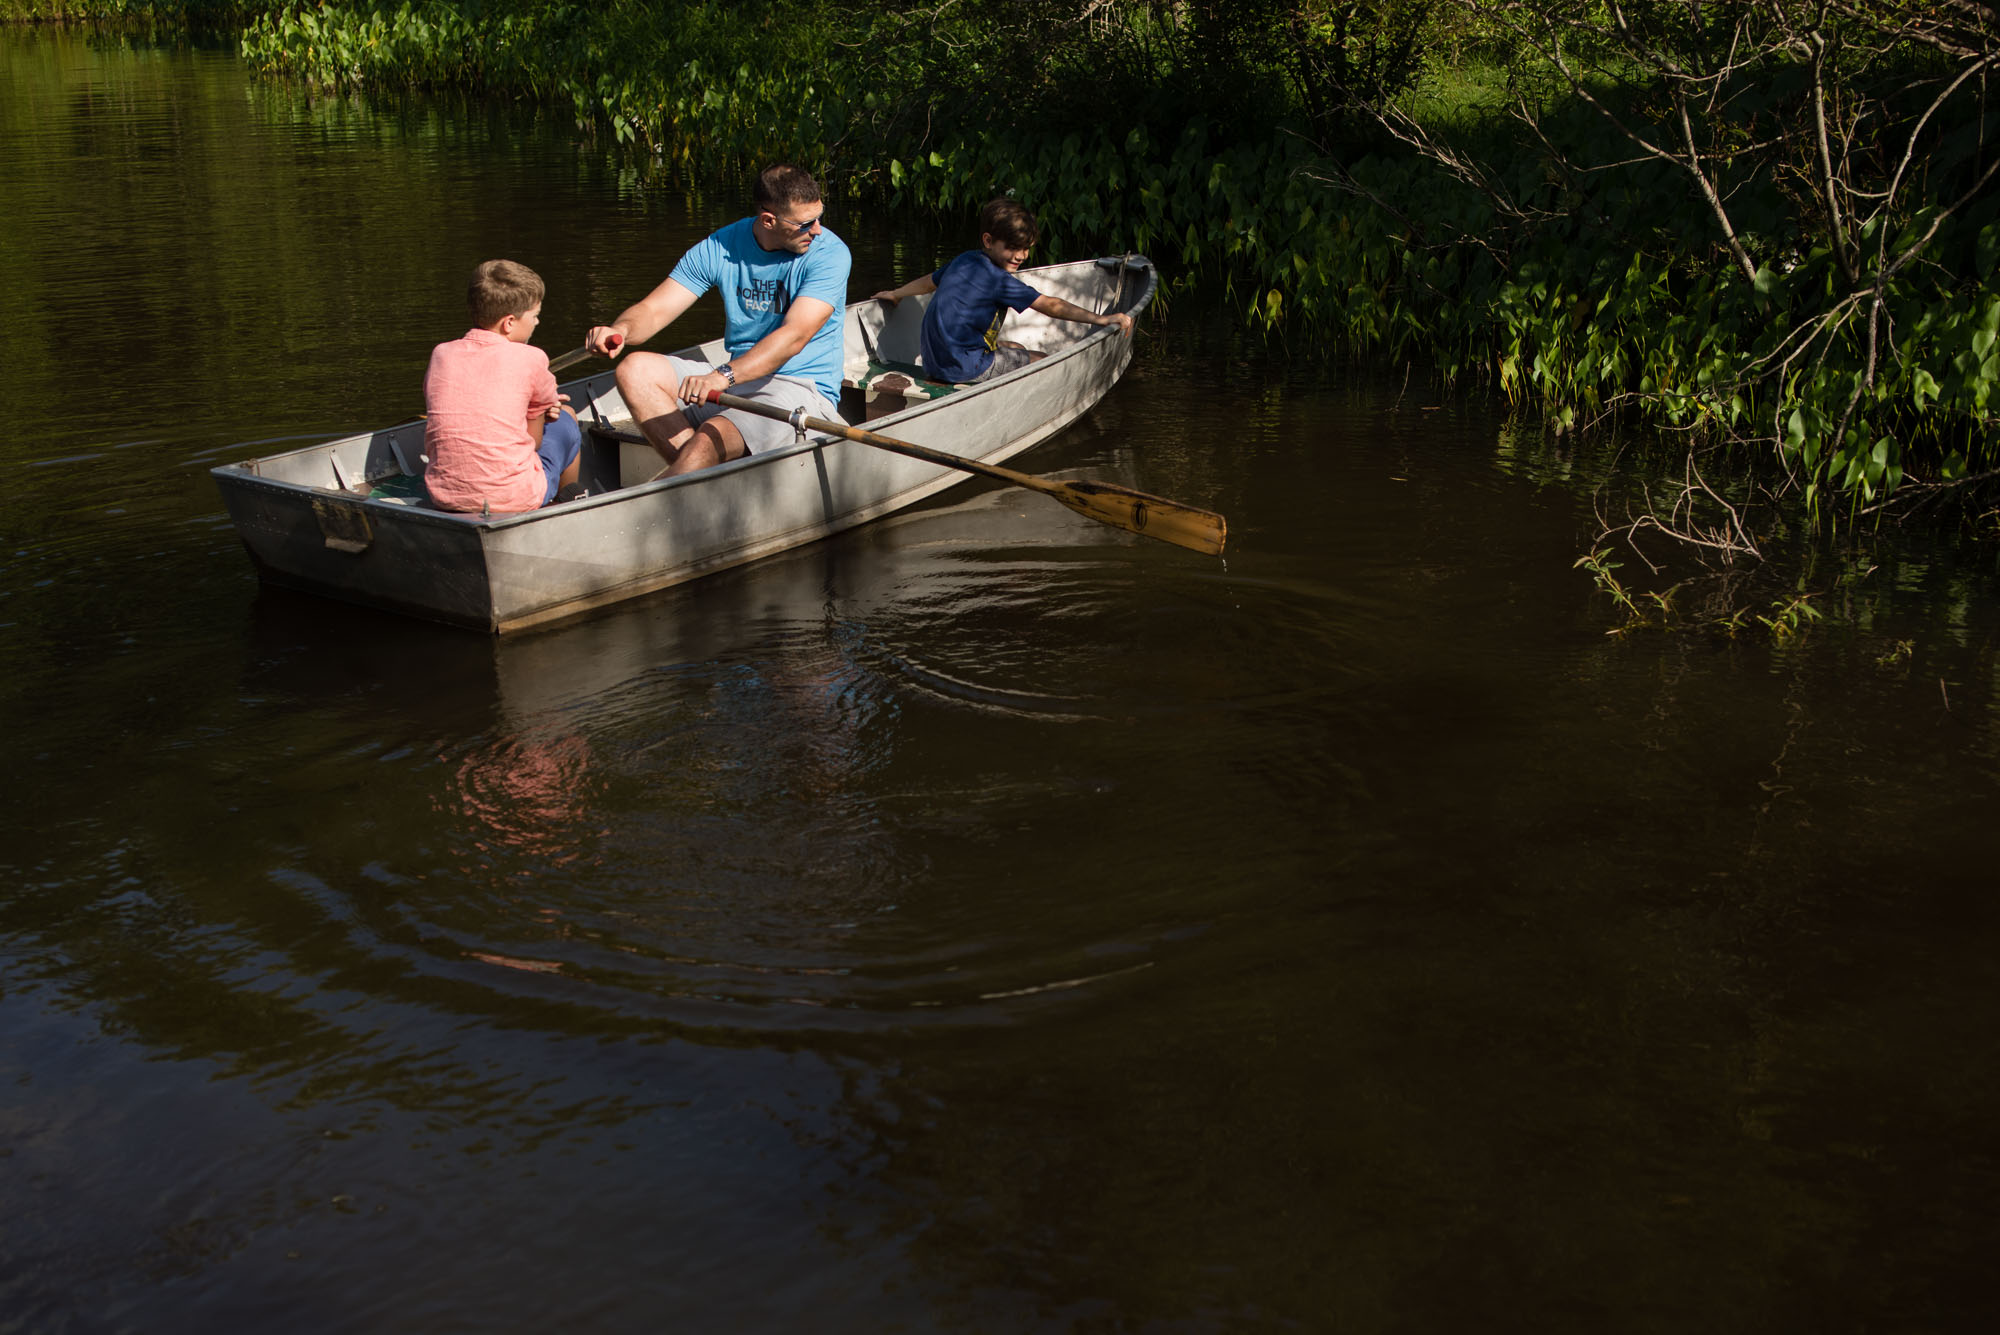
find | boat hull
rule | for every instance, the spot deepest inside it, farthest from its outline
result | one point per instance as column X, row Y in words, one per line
column 308, row 522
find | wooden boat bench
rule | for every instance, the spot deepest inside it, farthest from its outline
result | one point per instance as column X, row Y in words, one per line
column 890, row 387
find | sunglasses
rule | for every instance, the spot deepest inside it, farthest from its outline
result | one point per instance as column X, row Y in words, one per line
column 803, row 227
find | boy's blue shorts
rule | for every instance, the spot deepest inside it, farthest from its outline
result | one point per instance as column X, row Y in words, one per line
column 562, row 439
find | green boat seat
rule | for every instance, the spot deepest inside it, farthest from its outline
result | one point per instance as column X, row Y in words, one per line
column 398, row 487
column 889, row 387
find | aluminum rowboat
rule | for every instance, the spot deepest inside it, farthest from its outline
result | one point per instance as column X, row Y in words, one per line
column 344, row 518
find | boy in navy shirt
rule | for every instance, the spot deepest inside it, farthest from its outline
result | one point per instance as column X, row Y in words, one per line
column 961, row 335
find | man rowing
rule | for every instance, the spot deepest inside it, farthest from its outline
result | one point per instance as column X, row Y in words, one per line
column 783, row 280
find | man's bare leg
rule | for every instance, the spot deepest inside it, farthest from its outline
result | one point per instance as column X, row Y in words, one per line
column 715, row 441
column 647, row 383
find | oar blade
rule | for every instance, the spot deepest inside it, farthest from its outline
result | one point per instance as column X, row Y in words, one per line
column 1151, row 516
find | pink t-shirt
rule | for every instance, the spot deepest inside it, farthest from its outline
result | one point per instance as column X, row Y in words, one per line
column 478, row 394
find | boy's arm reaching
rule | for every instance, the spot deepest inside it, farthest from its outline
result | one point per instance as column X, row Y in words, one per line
column 1058, row 309
column 916, row 287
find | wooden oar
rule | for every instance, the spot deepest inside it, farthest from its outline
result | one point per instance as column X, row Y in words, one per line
column 569, row 359
column 1107, row 503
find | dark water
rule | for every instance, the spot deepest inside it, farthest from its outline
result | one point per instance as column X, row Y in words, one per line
column 985, row 921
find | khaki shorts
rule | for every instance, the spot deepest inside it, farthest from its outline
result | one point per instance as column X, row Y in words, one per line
column 780, row 391
column 1005, row 362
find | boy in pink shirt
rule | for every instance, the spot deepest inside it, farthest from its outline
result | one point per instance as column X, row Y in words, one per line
column 498, row 437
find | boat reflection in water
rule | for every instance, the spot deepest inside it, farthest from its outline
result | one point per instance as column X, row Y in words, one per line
column 735, row 791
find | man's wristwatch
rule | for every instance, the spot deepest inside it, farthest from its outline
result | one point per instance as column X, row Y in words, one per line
column 727, row 372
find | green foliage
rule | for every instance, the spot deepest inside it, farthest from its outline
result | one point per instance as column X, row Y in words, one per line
column 187, row 14
column 1603, row 569
column 1774, row 227
column 1898, row 655
column 1790, row 615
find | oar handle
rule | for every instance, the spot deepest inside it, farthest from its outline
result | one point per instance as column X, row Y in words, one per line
column 569, row 359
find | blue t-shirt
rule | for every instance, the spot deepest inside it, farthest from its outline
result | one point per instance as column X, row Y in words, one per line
column 962, row 326
column 758, row 287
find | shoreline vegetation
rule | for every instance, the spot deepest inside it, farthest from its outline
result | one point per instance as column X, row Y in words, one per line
column 1769, row 230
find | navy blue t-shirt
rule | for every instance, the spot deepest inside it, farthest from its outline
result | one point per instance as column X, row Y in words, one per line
column 962, row 326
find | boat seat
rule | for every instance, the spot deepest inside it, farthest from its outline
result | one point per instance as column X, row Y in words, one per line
column 890, row 387
column 401, row 489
